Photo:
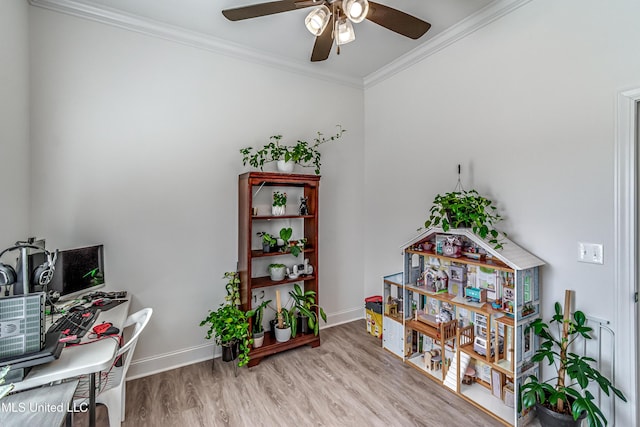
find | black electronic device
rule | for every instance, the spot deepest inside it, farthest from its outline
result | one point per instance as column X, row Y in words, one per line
column 50, row 352
column 77, row 271
column 76, row 323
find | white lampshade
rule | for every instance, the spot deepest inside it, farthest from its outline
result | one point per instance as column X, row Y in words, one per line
column 344, row 32
column 356, row 10
column 317, row 20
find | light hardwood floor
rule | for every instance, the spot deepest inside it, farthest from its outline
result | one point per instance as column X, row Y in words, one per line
column 348, row 381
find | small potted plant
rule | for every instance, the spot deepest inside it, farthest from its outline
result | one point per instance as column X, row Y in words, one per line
column 268, row 241
column 283, row 325
column 229, row 325
column 303, row 309
column 566, row 401
column 295, row 247
column 279, row 205
column 303, row 153
column 277, row 272
column 257, row 314
column 466, row 209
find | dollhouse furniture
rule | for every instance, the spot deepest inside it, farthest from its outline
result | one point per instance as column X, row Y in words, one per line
column 475, row 332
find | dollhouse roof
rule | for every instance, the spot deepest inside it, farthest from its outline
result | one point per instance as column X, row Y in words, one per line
column 511, row 254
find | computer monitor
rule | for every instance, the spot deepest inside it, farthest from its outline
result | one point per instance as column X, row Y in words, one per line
column 77, row 271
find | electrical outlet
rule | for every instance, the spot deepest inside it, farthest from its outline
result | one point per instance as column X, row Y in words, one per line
column 591, row 253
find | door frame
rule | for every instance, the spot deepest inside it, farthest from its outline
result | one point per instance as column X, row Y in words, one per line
column 626, row 253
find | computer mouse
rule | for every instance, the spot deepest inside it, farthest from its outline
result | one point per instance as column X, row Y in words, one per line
column 77, row 308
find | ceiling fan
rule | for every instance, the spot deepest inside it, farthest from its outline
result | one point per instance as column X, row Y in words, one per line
column 332, row 20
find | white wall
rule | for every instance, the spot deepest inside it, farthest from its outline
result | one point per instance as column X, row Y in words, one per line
column 14, row 122
column 135, row 145
column 527, row 106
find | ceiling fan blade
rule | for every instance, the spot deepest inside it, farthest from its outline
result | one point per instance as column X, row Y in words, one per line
column 322, row 46
column 397, row 21
column 263, row 9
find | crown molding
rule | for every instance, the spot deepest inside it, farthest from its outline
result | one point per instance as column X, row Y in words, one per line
column 462, row 29
column 149, row 27
column 194, row 39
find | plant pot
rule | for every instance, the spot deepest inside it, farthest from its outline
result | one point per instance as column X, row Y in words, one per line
column 278, row 210
column 549, row 418
column 258, row 339
column 286, row 167
column 283, row 335
column 303, row 324
column 266, row 248
column 272, row 326
column 230, row 351
column 277, row 274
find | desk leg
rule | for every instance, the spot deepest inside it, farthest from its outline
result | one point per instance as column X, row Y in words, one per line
column 92, row 400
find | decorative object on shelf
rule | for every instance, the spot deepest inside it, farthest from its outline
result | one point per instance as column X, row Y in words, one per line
column 303, row 153
column 229, row 325
column 283, row 324
column 277, row 272
column 304, row 269
column 452, row 247
column 257, row 314
column 268, row 241
column 569, row 400
column 279, row 205
column 303, row 209
column 304, row 306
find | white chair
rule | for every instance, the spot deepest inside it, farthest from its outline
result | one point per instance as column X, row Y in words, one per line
column 111, row 389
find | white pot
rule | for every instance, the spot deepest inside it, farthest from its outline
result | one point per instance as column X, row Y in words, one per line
column 277, row 274
column 278, row 210
column 258, row 339
column 283, row 335
column 286, row 167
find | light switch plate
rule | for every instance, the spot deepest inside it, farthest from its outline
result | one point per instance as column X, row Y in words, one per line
column 590, row 252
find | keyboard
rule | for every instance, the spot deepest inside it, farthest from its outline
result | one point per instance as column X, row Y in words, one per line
column 76, row 323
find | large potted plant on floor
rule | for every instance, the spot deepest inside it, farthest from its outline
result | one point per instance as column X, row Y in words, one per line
column 466, row 209
column 568, row 400
column 230, row 325
column 304, row 317
column 303, row 153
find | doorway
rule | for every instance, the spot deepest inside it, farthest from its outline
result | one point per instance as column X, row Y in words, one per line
column 626, row 228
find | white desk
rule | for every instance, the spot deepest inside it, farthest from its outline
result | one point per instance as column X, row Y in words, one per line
column 88, row 359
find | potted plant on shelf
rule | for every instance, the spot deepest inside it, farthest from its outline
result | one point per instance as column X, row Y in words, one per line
column 566, row 401
column 303, row 153
column 466, row 209
column 304, row 317
column 229, row 325
column 268, row 241
column 279, row 204
column 257, row 314
column 293, row 246
column 277, row 272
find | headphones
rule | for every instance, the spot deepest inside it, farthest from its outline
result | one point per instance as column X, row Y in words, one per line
column 42, row 275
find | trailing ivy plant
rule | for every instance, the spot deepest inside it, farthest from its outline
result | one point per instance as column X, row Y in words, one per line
column 466, row 209
column 303, row 153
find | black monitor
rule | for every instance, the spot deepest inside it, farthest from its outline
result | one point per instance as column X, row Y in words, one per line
column 77, row 271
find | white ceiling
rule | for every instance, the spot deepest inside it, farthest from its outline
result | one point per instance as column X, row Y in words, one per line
column 283, row 37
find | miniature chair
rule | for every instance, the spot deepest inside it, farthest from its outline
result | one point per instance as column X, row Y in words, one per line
column 112, row 389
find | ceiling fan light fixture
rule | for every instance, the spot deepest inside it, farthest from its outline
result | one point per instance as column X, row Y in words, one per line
column 356, row 10
column 317, row 20
column 344, row 32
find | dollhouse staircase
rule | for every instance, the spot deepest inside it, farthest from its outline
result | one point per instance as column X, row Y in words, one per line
column 450, row 380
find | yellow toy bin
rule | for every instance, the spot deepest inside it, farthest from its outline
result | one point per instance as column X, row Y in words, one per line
column 373, row 307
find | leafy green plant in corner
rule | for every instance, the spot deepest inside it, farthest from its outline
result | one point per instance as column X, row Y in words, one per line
column 572, row 396
column 304, row 302
column 303, row 153
column 466, row 209
column 228, row 324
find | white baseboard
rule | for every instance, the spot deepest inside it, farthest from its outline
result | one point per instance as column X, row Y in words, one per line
column 164, row 362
